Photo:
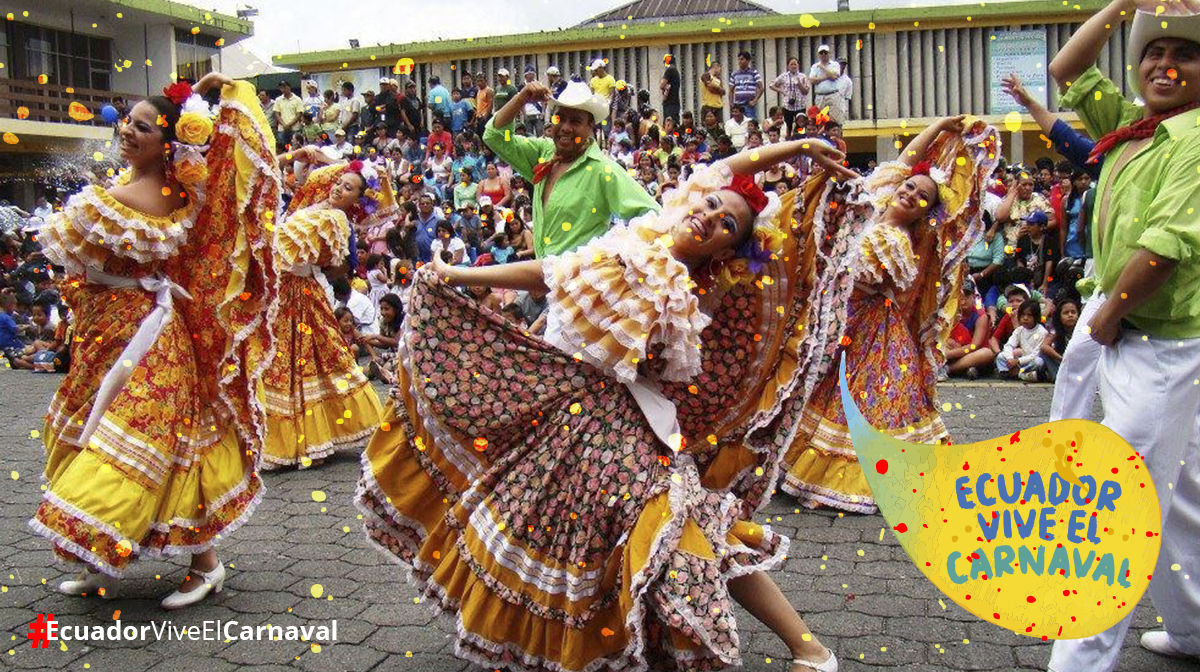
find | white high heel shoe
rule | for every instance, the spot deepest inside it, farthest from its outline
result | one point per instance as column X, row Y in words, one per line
column 90, row 583
column 830, row 664
column 213, row 581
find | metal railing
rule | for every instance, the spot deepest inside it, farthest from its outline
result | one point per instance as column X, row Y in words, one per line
column 25, row 99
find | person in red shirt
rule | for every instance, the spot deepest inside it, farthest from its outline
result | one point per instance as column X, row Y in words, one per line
column 1016, row 295
column 439, row 136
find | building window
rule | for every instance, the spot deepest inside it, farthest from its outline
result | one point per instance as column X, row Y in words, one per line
column 66, row 59
column 195, row 54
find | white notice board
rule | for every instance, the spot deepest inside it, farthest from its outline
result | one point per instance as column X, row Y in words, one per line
column 1022, row 52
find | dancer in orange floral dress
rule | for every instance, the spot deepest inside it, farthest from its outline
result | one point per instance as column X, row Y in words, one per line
column 317, row 398
column 153, row 439
column 924, row 214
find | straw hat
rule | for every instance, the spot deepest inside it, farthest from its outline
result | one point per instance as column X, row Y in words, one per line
column 1148, row 28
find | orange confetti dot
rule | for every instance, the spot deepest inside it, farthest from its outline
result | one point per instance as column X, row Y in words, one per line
column 117, row 615
column 166, row 191
column 481, row 444
column 22, row 112
column 606, row 632
column 79, row 112
column 42, row 79
column 10, row 139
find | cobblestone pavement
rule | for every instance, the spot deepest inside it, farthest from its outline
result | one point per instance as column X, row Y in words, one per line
column 857, row 605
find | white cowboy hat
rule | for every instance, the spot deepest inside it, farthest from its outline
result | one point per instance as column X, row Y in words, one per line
column 579, row 96
column 503, row 71
column 598, row 63
column 1148, row 28
column 823, row 47
column 552, row 71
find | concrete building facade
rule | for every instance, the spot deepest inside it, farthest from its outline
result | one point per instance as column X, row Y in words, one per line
column 908, row 65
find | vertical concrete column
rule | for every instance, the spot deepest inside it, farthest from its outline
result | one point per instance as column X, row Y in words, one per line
column 769, row 68
column 1016, row 147
column 887, row 78
column 885, row 148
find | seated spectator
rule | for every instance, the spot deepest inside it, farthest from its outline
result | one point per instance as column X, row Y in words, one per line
column 1014, row 296
column 737, row 126
column 11, row 345
column 365, row 315
column 1021, row 356
column 349, row 330
column 1035, row 254
column 439, row 137
column 378, row 277
column 465, row 191
column 1066, row 316
column 968, row 352
column 470, row 228
column 513, row 243
column 1020, row 202
column 382, row 347
column 447, row 244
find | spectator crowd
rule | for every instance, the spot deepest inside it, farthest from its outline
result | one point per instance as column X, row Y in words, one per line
column 457, row 199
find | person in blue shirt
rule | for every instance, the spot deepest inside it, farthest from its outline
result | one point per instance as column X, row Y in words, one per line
column 438, row 98
column 427, row 220
column 472, row 161
column 461, row 112
column 11, row 344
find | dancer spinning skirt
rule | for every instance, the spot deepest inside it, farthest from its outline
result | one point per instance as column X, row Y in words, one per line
column 581, row 503
column 153, row 438
column 924, row 214
column 317, row 398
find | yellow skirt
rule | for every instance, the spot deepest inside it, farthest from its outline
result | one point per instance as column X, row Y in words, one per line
column 160, row 475
column 317, row 399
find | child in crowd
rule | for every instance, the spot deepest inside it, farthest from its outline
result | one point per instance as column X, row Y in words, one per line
column 43, row 347
column 349, row 330
column 968, row 351
column 377, row 277
column 381, row 347
column 1014, row 296
column 1066, row 316
column 1022, row 354
column 11, row 344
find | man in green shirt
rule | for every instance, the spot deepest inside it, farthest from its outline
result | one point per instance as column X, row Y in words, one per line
column 504, row 89
column 577, row 190
column 1146, row 240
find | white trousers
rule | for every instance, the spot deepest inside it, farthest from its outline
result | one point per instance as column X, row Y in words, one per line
column 1075, row 386
column 1152, row 398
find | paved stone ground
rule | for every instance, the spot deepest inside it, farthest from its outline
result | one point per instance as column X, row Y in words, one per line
column 857, row 605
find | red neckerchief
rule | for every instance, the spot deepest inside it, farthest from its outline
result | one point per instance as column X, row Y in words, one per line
column 1138, row 130
column 542, row 170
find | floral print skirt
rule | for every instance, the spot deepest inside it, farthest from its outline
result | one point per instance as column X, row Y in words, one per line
column 894, row 391
column 532, row 502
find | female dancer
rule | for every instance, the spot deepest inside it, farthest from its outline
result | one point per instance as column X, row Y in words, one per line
column 547, row 493
column 904, row 302
column 318, row 399
column 153, row 438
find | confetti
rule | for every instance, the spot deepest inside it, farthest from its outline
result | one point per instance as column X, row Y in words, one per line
column 317, row 590
column 318, row 496
column 10, row 139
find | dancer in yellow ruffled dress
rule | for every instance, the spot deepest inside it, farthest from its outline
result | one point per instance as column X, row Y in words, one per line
column 153, row 439
column 318, row 399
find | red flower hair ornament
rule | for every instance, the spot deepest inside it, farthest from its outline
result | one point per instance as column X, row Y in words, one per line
column 178, row 93
column 749, row 190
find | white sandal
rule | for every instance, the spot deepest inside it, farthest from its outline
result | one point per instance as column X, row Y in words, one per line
column 830, row 664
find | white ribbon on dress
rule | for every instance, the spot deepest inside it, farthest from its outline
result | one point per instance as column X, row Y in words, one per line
column 148, row 332
column 659, row 411
column 314, row 271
